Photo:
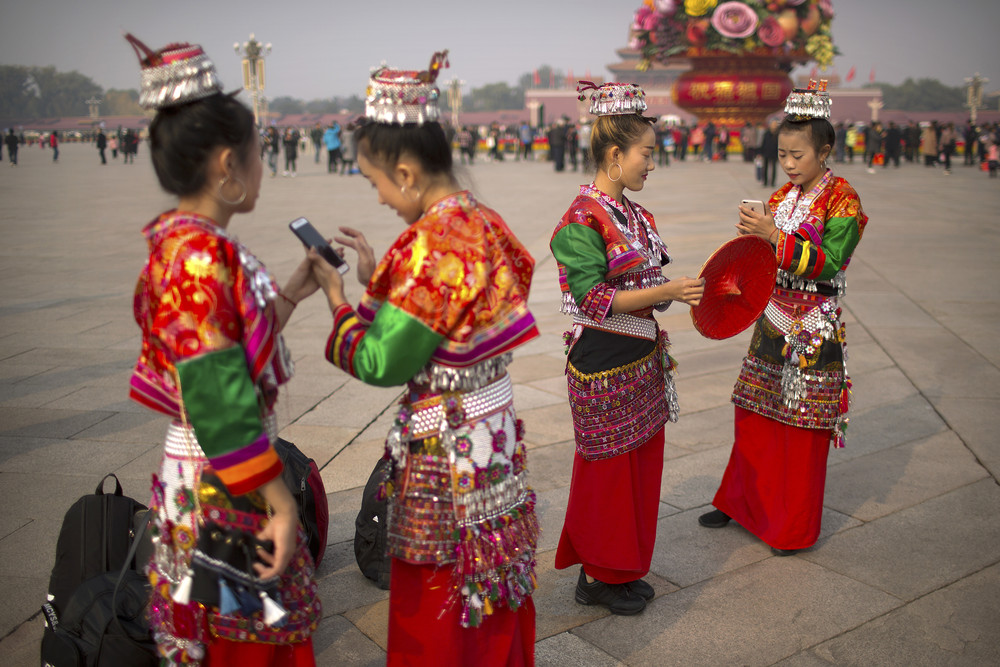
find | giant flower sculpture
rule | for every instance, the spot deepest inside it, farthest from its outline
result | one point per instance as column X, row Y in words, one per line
column 796, row 30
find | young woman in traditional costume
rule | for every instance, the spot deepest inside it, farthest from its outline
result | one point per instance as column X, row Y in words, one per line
column 792, row 394
column 441, row 313
column 621, row 391
column 231, row 573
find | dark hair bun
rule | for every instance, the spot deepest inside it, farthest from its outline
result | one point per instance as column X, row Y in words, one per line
column 183, row 137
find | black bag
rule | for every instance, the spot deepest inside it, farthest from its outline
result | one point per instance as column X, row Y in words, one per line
column 95, row 538
column 302, row 477
column 371, row 529
column 104, row 623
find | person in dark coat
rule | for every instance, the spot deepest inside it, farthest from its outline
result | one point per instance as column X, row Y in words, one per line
column 557, row 144
column 11, row 142
column 769, row 151
column 102, row 143
column 893, row 141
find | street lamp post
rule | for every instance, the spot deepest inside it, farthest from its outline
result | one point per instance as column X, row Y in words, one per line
column 94, row 105
column 974, row 95
column 253, row 74
column 455, row 99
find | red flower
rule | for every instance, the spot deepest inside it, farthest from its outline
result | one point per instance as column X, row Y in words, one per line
column 697, row 33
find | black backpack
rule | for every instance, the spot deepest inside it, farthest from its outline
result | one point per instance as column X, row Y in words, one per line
column 102, row 621
column 371, row 529
column 95, row 537
column 302, row 478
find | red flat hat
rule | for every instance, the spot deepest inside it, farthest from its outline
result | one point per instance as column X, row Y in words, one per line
column 739, row 280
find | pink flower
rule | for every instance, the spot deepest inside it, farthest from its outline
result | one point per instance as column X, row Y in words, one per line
column 651, row 21
column 640, row 17
column 826, row 6
column 665, row 7
column 770, row 32
column 734, row 20
column 794, row 3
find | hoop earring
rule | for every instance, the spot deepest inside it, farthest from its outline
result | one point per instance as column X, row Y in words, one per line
column 413, row 198
column 222, row 197
column 620, row 172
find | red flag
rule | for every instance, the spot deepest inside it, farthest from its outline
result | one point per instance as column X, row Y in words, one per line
column 871, row 77
column 850, row 74
column 537, row 79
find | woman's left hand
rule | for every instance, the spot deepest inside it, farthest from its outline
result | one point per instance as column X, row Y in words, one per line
column 752, row 222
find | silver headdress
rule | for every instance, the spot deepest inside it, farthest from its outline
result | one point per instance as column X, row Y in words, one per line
column 398, row 97
column 176, row 74
column 811, row 102
column 613, row 99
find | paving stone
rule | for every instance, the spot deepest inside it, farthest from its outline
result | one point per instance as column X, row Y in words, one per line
column 924, row 362
column 687, row 553
column 885, row 482
column 976, row 420
column 568, row 650
column 922, row 548
column 339, row 642
column 955, row 625
column 753, row 616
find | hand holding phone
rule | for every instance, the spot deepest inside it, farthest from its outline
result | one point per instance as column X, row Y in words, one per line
column 311, row 238
column 754, row 205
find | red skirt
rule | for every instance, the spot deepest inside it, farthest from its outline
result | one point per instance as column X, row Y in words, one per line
column 611, row 515
column 424, row 630
column 225, row 653
column 774, row 483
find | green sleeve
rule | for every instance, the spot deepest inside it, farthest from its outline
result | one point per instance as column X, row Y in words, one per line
column 582, row 253
column 389, row 352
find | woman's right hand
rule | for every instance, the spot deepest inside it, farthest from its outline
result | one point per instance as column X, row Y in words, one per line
column 328, row 277
column 281, row 529
column 688, row 290
column 366, row 256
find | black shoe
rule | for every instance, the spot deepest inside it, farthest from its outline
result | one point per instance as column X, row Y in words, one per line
column 714, row 519
column 618, row 598
column 642, row 589
column 783, row 552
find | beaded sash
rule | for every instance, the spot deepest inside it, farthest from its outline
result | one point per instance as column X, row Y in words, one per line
column 617, row 410
column 458, row 489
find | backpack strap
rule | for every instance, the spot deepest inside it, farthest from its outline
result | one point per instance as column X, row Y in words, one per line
column 125, row 567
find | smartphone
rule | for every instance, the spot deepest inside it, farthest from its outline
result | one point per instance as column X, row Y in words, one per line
column 754, row 205
column 312, row 239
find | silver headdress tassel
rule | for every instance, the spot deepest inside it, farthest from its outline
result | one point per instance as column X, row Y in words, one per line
column 398, row 97
column 176, row 74
column 811, row 102
column 613, row 99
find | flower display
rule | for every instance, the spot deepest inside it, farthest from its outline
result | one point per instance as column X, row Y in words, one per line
column 798, row 30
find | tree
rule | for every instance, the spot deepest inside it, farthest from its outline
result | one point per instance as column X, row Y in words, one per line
column 494, row 97
column 921, row 95
column 121, row 103
column 42, row 92
column 286, row 105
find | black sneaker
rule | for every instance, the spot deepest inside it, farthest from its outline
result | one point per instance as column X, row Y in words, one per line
column 783, row 552
column 642, row 589
column 618, row 598
column 714, row 519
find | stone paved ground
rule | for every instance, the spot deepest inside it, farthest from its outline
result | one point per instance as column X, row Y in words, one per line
column 906, row 571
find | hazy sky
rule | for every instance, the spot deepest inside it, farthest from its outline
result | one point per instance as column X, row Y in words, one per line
column 325, row 49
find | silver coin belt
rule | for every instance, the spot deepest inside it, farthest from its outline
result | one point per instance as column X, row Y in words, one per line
column 428, row 414
column 622, row 323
